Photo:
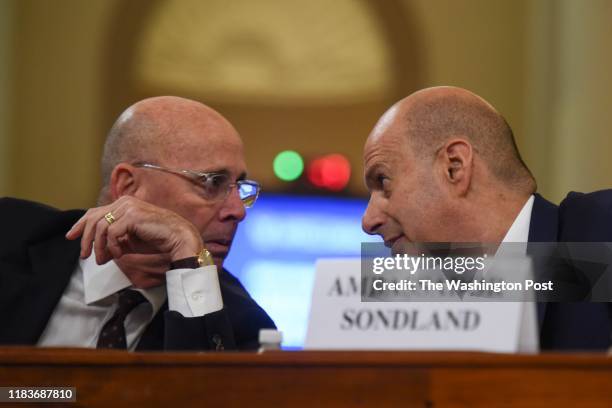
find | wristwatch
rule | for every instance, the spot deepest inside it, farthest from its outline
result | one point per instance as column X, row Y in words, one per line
column 202, row 258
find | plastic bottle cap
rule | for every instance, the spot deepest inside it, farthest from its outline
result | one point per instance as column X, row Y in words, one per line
column 270, row 336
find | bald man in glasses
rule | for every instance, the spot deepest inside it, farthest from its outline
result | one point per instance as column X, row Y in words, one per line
column 144, row 269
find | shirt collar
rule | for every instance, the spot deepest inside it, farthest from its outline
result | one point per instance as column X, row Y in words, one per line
column 519, row 230
column 102, row 281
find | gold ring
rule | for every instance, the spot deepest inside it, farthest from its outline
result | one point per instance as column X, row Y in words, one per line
column 109, row 217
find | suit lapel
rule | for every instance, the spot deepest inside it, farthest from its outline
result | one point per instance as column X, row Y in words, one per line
column 37, row 293
column 153, row 337
column 543, row 227
column 544, row 223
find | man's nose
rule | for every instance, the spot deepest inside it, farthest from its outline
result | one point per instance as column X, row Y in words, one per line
column 233, row 207
column 372, row 218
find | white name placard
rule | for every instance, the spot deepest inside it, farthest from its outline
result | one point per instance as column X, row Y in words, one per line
column 340, row 320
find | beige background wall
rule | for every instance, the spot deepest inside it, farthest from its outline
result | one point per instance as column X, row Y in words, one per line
column 57, row 100
column 544, row 64
column 6, row 31
column 583, row 108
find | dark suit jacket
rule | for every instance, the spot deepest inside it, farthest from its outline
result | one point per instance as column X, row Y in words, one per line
column 37, row 262
column 573, row 326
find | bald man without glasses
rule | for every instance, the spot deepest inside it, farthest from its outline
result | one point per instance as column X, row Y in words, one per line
column 442, row 165
column 144, row 269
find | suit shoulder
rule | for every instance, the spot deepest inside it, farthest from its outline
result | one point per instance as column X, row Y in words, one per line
column 20, row 207
column 246, row 315
column 586, row 216
column 597, row 200
column 31, row 221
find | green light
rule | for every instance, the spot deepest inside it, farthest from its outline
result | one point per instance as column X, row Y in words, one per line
column 288, row 165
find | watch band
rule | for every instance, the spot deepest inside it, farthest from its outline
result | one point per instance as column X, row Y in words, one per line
column 185, row 263
column 203, row 258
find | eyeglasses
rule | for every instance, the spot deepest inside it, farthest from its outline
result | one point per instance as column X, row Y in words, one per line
column 215, row 186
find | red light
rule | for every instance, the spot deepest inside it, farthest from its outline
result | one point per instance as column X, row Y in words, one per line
column 331, row 172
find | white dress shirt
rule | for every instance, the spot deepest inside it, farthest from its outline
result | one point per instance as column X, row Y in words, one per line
column 90, row 299
column 519, row 230
column 528, row 327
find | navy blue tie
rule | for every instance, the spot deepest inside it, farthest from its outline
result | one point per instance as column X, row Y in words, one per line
column 112, row 335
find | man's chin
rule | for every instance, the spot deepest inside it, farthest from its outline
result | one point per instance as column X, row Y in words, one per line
column 219, row 249
column 401, row 246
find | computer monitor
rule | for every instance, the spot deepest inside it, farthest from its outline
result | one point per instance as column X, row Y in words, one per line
column 276, row 247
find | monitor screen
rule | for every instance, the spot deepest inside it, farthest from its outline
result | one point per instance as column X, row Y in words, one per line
column 276, row 247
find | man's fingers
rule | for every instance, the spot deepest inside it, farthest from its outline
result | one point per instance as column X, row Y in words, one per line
column 135, row 227
column 117, row 238
column 77, row 228
column 95, row 214
column 88, row 234
column 100, row 242
column 87, row 227
column 112, row 244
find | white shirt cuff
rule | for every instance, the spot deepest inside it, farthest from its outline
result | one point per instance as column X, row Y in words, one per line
column 194, row 292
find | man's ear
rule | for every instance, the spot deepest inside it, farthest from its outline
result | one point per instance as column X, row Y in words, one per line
column 456, row 158
column 123, row 181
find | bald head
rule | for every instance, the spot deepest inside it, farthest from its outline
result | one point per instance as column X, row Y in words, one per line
column 441, row 166
column 164, row 129
column 430, row 117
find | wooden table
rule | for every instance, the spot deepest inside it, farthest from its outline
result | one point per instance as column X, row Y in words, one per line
column 313, row 379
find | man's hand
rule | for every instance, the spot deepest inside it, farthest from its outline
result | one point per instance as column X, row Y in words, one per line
column 138, row 228
column 145, row 270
